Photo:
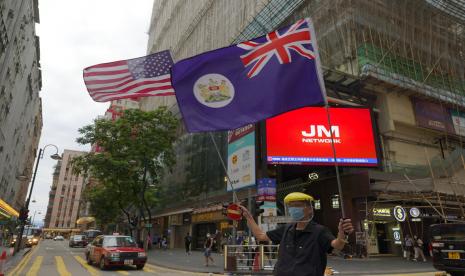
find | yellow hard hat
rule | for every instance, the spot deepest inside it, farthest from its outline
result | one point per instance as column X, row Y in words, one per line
column 297, row 197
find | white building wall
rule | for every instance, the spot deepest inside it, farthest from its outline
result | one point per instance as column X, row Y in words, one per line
column 20, row 104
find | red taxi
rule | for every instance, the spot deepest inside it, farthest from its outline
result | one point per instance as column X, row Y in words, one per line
column 107, row 251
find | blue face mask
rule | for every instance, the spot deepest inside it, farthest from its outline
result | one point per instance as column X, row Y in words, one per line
column 296, row 213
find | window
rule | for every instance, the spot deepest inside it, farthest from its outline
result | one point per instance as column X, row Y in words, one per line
column 317, row 204
column 335, row 202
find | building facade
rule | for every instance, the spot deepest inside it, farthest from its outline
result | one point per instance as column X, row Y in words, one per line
column 66, row 199
column 20, row 104
column 403, row 60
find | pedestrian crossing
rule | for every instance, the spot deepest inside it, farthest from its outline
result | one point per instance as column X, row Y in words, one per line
column 32, row 265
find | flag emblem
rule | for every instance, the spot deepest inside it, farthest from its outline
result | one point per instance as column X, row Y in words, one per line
column 214, row 90
column 296, row 38
column 133, row 78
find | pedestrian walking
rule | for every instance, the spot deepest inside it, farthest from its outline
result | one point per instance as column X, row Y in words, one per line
column 187, row 243
column 408, row 249
column 418, row 247
column 164, row 243
column 304, row 243
column 207, row 246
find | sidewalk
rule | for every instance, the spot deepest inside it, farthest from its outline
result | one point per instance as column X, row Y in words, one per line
column 177, row 259
column 11, row 260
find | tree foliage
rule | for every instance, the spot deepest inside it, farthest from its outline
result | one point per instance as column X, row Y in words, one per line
column 136, row 149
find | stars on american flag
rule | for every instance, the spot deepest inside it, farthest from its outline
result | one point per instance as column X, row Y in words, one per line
column 151, row 66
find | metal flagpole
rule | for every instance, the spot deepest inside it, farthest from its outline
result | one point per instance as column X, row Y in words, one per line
column 336, row 166
column 323, row 89
column 235, row 199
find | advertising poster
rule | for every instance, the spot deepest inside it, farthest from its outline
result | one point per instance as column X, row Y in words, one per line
column 458, row 120
column 241, row 157
column 303, row 136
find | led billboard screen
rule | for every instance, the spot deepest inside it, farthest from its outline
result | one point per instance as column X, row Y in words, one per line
column 302, row 136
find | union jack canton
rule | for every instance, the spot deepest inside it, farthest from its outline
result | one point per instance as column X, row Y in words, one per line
column 296, row 37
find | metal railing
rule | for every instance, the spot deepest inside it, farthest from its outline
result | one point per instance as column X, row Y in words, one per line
column 250, row 259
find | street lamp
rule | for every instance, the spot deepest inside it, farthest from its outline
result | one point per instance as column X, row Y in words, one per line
column 22, row 220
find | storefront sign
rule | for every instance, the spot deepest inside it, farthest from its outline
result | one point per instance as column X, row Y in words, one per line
column 241, row 157
column 206, row 217
column 396, row 235
column 303, row 136
column 399, row 213
column 382, row 212
column 414, row 212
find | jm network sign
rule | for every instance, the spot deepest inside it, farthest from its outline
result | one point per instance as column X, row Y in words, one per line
column 303, row 136
column 241, row 157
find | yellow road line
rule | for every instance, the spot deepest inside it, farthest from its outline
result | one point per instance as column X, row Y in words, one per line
column 149, row 270
column 61, row 267
column 162, row 269
column 17, row 270
column 91, row 270
column 122, row 272
column 35, row 266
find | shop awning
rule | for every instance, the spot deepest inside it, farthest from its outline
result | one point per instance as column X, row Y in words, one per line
column 85, row 220
column 188, row 210
column 62, row 230
column 7, row 210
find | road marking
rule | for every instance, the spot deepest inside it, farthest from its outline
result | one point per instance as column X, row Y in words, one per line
column 162, row 269
column 61, row 267
column 35, row 266
column 17, row 270
column 122, row 272
column 91, row 270
column 149, row 270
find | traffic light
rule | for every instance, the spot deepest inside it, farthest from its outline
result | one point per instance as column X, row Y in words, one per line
column 256, row 208
column 224, row 210
column 23, row 214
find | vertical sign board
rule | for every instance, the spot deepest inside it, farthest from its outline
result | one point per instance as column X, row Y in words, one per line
column 241, row 157
column 266, row 191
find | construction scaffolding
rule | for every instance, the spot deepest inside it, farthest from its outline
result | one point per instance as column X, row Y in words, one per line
column 415, row 45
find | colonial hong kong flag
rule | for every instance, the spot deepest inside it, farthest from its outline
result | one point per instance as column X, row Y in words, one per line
column 133, row 78
column 241, row 84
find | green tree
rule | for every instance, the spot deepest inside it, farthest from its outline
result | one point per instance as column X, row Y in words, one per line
column 136, row 149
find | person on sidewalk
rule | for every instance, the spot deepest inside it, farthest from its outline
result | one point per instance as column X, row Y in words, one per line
column 408, row 247
column 187, row 243
column 208, row 249
column 418, row 247
column 304, row 243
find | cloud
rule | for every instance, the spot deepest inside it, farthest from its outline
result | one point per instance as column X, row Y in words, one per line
column 74, row 35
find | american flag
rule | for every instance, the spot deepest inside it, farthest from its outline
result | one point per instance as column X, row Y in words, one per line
column 133, row 78
column 295, row 38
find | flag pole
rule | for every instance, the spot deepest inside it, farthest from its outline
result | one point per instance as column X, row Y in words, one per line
column 323, row 90
column 235, row 199
column 336, row 166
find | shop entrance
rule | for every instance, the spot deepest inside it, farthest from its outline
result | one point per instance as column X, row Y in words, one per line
column 200, row 233
column 382, row 238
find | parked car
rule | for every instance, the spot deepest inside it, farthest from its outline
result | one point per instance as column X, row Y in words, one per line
column 77, row 240
column 48, row 237
column 91, row 234
column 108, row 251
column 448, row 245
column 59, row 238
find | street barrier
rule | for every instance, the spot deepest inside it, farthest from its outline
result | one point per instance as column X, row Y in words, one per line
column 250, row 259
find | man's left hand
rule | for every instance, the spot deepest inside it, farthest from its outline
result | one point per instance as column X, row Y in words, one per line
column 345, row 226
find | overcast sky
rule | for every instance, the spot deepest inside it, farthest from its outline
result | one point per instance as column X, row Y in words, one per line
column 74, row 35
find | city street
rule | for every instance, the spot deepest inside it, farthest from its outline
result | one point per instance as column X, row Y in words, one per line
column 51, row 258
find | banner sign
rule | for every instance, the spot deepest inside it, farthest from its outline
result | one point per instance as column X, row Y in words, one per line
column 266, row 189
column 303, row 136
column 458, row 120
column 432, row 115
column 241, row 157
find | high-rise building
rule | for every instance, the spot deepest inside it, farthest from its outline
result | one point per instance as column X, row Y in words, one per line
column 403, row 60
column 65, row 194
column 20, row 104
column 52, row 193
